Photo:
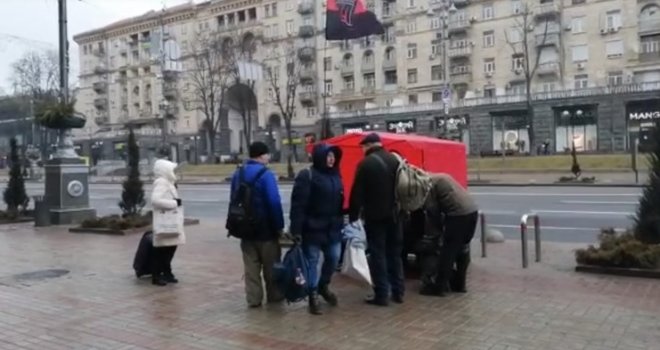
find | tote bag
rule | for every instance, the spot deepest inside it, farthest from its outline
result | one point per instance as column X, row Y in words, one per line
column 168, row 222
column 355, row 263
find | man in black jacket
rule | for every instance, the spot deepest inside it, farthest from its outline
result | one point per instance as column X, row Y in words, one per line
column 372, row 195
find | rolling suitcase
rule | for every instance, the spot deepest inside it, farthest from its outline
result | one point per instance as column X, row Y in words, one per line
column 143, row 255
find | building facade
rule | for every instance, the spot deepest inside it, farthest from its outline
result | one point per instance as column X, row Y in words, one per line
column 449, row 68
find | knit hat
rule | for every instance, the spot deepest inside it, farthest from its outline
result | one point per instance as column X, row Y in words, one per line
column 371, row 138
column 258, row 149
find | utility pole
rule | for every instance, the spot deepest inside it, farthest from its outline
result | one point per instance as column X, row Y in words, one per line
column 64, row 52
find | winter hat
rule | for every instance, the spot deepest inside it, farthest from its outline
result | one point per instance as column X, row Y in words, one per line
column 371, row 138
column 258, row 149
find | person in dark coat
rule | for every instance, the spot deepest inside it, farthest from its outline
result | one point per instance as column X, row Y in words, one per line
column 317, row 219
column 372, row 197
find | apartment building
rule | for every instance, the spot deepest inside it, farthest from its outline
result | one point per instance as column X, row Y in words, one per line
column 450, row 68
column 597, row 80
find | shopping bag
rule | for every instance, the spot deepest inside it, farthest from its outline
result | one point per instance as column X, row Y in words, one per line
column 354, row 230
column 168, row 222
column 355, row 264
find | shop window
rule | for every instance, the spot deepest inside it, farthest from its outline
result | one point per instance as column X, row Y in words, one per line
column 577, row 125
column 510, row 134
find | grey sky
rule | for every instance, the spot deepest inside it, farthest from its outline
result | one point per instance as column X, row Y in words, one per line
column 32, row 24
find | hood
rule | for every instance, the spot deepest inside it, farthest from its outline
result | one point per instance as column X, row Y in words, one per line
column 320, row 153
column 164, row 169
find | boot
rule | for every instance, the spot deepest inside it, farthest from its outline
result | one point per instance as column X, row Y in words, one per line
column 459, row 277
column 314, row 305
column 169, row 278
column 158, row 281
column 328, row 296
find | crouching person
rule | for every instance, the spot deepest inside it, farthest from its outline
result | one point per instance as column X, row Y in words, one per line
column 316, row 220
column 449, row 200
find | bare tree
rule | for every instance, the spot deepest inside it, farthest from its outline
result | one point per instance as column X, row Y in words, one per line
column 209, row 78
column 284, row 94
column 36, row 74
column 244, row 73
column 528, row 47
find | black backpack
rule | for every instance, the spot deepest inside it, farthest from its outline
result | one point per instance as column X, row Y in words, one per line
column 242, row 222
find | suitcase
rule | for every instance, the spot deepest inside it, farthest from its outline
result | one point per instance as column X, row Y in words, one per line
column 143, row 255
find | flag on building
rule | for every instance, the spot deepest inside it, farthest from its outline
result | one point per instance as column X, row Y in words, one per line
column 350, row 19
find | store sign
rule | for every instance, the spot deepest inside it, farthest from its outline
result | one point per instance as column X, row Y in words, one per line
column 401, row 126
column 354, row 128
column 453, row 123
column 644, row 115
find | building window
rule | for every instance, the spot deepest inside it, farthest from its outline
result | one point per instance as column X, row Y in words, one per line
column 388, row 35
column 577, row 25
column 436, row 72
column 327, row 64
column 510, row 134
column 349, row 83
column 412, row 99
column 390, row 77
column 516, row 6
column 436, row 23
column 411, row 3
column 412, row 51
column 615, row 78
column 580, row 53
column 489, row 38
column 412, row 76
column 613, row 20
column 390, row 54
column 311, row 112
column 369, row 80
column 411, row 27
column 436, row 97
column 549, row 87
column 650, row 44
column 289, row 27
column 489, row 92
column 576, row 125
column 516, row 88
column 328, row 87
column 368, row 58
column 514, row 35
column 488, row 11
column 517, row 63
column 489, row 66
column 614, row 48
column 581, row 81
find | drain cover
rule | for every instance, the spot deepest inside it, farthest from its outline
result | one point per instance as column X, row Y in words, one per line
column 40, row 275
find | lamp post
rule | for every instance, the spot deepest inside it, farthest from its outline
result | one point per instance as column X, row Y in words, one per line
column 445, row 9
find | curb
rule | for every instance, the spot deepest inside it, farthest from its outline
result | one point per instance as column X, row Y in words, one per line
column 640, row 273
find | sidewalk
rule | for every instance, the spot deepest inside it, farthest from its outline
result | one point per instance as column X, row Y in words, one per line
column 100, row 305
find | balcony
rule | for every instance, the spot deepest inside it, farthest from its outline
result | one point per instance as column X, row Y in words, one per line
column 170, row 75
column 459, row 52
column 346, row 68
column 100, row 69
column 547, row 39
column 369, row 90
column 100, row 87
column 306, row 31
column 458, row 26
column 170, row 112
column 548, row 68
column 389, row 62
column 307, row 98
column 546, row 10
column 346, row 93
column 647, row 27
column 346, row 45
column 307, row 75
column 306, row 7
column 102, row 120
column 101, row 103
column 461, row 75
column 306, row 54
column 170, row 91
column 649, row 56
column 368, row 66
column 461, row 3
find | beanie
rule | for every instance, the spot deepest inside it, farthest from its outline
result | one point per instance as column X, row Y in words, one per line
column 258, row 149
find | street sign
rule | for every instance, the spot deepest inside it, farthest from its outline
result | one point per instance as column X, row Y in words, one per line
column 446, row 108
column 446, row 95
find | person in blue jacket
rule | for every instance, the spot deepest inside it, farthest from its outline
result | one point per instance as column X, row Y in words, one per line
column 263, row 251
column 317, row 219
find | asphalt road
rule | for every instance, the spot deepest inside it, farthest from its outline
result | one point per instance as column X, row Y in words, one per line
column 570, row 214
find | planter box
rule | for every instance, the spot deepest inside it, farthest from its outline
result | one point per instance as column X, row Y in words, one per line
column 617, row 271
column 20, row 220
column 112, row 232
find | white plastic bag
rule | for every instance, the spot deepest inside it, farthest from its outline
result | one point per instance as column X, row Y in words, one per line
column 168, row 222
column 355, row 263
column 355, row 231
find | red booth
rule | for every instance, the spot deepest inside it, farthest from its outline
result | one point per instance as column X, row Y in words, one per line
column 430, row 154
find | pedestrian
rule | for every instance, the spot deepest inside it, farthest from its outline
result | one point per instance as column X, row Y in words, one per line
column 372, row 196
column 317, row 219
column 164, row 196
column 448, row 201
column 262, row 250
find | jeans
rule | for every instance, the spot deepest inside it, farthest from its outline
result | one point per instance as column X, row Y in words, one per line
column 331, row 253
column 385, row 246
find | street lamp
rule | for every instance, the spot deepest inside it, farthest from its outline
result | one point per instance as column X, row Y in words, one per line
column 445, row 10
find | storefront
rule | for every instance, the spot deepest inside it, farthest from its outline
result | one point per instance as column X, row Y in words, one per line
column 406, row 126
column 641, row 117
column 354, row 127
column 510, row 132
column 576, row 124
column 455, row 128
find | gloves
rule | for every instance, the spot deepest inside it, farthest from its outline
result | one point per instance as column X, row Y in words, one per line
column 178, row 202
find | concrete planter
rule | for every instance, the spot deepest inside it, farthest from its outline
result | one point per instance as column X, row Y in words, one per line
column 617, row 271
column 127, row 232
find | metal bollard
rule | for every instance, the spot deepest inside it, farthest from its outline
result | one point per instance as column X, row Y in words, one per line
column 482, row 219
column 537, row 238
column 523, row 238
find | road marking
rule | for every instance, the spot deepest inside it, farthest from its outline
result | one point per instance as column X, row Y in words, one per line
column 578, row 212
column 599, row 202
column 523, row 194
column 500, row 212
column 555, row 228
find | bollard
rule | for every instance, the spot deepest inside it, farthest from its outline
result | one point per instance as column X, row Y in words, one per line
column 537, row 237
column 523, row 238
column 482, row 218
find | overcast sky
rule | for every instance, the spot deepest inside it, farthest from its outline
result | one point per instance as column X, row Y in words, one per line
column 32, row 24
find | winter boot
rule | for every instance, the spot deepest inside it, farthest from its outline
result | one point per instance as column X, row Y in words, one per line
column 314, row 304
column 328, row 296
column 459, row 277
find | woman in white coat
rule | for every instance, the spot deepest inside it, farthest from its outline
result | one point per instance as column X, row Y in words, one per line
column 164, row 196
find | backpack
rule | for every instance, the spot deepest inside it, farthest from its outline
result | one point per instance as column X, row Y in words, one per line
column 411, row 185
column 292, row 275
column 241, row 221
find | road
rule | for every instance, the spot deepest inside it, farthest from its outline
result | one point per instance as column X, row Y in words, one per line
column 570, row 214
